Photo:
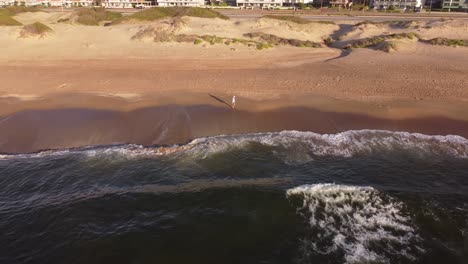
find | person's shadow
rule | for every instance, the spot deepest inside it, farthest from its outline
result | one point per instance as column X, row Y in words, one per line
column 220, row 100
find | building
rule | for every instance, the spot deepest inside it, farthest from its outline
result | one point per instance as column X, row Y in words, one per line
column 55, row 3
column 180, row 2
column 452, row 4
column 340, row 3
column 319, row 3
column 7, row 2
column 125, row 3
column 400, row 4
column 296, row 2
column 78, row 3
column 259, row 3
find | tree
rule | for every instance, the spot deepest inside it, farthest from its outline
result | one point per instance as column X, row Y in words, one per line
column 300, row 5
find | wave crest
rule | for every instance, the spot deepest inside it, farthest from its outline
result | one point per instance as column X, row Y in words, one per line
column 294, row 145
column 345, row 144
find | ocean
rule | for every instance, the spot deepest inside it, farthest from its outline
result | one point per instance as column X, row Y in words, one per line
column 364, row 196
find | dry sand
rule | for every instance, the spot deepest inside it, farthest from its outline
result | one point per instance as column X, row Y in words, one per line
column 102, row 68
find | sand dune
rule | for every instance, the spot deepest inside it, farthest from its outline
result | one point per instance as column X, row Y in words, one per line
column 107, row 61
column 426, row 29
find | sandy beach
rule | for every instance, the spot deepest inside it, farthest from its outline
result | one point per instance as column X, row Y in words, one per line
column 91, row 85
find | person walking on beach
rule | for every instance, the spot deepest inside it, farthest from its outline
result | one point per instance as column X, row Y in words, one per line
column 233, row 102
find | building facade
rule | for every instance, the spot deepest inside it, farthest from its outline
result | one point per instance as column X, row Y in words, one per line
column 125, row 3
column 259, row 3
column 341, row 3
column 400, row 4
column 7, row 2
column 449, row 5
column 192, row 3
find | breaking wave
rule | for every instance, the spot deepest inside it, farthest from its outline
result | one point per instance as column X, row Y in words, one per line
column 292, row 145
column 359, row 223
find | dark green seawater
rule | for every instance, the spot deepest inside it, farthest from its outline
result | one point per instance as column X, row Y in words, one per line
column 289, row 197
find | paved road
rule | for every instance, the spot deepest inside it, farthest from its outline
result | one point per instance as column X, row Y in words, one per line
column 356, row 17
column 353, row 18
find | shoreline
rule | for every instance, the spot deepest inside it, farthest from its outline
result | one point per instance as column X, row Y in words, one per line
column 93, row 85
column 35, row 130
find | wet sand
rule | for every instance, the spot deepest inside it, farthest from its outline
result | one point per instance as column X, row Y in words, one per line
column 34, row 130
column 96, row 85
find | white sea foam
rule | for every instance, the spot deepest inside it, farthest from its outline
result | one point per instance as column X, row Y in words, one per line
column 307, row 145
column 362, row 223
column 294, row 146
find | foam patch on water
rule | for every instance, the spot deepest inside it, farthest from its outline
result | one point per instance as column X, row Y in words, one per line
column 294, row 146
column 359, row 222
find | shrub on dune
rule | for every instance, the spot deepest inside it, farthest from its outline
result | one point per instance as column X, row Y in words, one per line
column 402, row 24
column 198, row 12
column 275, row 40
column 448, row 42
column 156, row 13
column 298, row 20
column 94, row 16
column 294, row 19
column 14, row 10
column 388, row 46
column 35, row 30
column 7, row 20
column 374, row 41
column 6, row 14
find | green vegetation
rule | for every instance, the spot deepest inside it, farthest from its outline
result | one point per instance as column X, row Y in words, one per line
column 35, row 29
column 400, row 24
column 263, row 45
column 6, row 14
column 259, row 40
column 14, row 10
column 298, row 20
column 359, row 7
column 7, row 20
column 388, row 46
column 212, row 39
column 275, row 40
column 294, row 19
column 63, row 20
column 145, row 33
column 448, row 42
column 382, row 42
column 94, row 16
column 325, row 22
column 328, row 41
column 156, row 13
column 374, row 41
column 186, row 38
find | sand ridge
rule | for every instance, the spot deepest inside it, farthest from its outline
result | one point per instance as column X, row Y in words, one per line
column 106, row 61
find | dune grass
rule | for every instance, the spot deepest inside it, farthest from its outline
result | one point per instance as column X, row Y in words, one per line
column 447, row 42
column 275, row 40
column 298, row 20
column 35, row 29
column 294, row 19
column 324, row 22
column 94, row 16
column 374, row 41
column 14, row 10
column 7, row 20
column 157, row 13
column 388, row 46
column 162, row 36
column 6, row 14
column 397, row 24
